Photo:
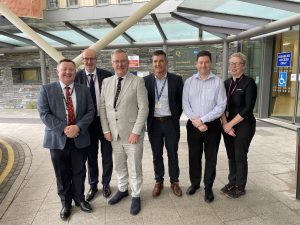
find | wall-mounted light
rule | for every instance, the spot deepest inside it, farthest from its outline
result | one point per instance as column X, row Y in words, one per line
column 270, row 34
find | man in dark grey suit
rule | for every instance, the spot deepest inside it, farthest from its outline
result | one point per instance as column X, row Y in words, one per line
column 66, row 108
column 165, row 108
column 92, row 77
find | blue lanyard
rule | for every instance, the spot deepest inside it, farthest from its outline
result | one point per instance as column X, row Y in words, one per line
column 161, row 90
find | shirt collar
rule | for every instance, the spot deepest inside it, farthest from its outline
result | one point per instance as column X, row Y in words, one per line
column 210, row 75
column 163, row 78
column 62, row 85
column 87, row 72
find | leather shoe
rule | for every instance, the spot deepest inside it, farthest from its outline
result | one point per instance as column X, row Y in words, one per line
column 118, row 197
column 91, row 194
column 192, row 189
column 176, row 189
column 135, row 206
column 65, row 213
column 84, row 206
column 157, row 189
column 106, row 191
column 209, row 195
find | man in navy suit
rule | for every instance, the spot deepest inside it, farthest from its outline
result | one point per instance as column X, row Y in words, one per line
column 92, row 77
column 66, row 108
column 165, row 108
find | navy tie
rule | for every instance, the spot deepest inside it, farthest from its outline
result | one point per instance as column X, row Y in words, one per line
column 118, row 91
column 92, row 90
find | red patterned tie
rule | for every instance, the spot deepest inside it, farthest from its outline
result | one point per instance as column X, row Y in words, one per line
column 70, row 107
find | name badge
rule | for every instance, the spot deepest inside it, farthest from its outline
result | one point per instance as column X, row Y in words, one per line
column 157, row 105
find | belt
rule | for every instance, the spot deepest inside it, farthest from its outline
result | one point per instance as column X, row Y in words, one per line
column 163, row 118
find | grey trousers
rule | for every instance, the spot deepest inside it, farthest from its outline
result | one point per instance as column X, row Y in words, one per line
column 128, row 165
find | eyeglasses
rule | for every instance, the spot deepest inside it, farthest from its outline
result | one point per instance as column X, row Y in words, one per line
column 122, row 62
column 89, row 59
column 235, row 64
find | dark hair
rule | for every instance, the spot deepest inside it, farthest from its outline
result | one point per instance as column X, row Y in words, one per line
column 66, row 60
column 204, row 53
column 159, row 52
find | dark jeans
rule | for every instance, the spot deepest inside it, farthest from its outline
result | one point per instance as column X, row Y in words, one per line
column 70, row 172
column 164, row 132
column 237, row 149
column 96, row 134
column 208, row 142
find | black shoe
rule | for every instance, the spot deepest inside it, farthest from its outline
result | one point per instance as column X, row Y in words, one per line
column 192, row 189
column 236, row 193
column 227, row 188
column 209, row 195
column 65, row 213
column 118, row 197
column 106, row 191
column 84, row 206
column 135, row 206
column 91, row 194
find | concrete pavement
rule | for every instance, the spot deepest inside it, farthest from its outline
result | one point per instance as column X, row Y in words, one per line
column 270, row 197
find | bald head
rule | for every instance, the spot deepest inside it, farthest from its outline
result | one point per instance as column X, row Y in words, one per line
column 89, row 59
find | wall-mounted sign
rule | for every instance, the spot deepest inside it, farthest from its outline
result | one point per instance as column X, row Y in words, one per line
column 282, row 78
column 134, row 61
column 284, row 59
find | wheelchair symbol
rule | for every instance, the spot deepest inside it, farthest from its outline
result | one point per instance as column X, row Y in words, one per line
column 282, row 79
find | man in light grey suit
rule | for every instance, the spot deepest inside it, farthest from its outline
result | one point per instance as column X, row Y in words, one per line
column 66, row 108
column 123, row 113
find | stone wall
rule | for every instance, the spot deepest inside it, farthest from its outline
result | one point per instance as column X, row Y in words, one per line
column 24, row 95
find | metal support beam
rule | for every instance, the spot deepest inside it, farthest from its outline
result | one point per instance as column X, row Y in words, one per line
column 122, row 27
column 124, row 35
column 216, row 30
column 9, row 15
column 16, row 37
column 81, row 32
column 159, row 28
column 225, row 16
column 43, row 67
column 225, row 60
column 7, row 45
column 53, row 37
column 278, row 4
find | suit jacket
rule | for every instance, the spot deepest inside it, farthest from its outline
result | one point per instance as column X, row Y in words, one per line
column 101, row 74
column 175, row 86
column 52, row 112
column 131, row 111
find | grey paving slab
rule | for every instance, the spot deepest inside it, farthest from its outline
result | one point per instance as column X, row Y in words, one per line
column 270, row 195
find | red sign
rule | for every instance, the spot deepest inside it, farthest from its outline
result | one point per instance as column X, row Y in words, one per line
column 134, row 61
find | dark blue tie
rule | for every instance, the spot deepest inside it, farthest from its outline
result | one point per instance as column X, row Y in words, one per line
column 93, row 92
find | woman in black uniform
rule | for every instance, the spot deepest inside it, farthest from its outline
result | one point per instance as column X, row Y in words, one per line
column 238, row 124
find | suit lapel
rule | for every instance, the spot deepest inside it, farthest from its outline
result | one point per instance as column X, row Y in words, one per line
column 152, row 87
column 170, row 85
column 78, row 99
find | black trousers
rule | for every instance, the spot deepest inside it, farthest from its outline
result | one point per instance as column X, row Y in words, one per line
column 96, row 134
column 237, row 149
column 208, row 142
column 70, row 172
column 164, row 133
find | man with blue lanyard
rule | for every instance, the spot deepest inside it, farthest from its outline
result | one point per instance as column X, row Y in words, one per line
column 165, row 108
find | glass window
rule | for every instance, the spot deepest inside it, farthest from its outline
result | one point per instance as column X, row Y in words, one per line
column 284, row 75
column 72, row 2
column 124, row 1
column 52, row 4
column 99, row 2
column 26, row 75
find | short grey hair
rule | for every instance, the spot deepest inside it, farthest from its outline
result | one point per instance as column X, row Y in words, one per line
column 239, row 55
column 119, row 51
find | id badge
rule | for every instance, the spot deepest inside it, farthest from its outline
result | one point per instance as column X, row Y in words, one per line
column 157, row 105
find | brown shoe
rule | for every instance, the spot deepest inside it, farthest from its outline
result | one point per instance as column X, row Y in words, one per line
column 176, row 189
column 157, row 189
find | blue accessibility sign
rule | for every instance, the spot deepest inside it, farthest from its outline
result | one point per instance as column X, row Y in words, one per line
column 284, row 59
column 282, row 78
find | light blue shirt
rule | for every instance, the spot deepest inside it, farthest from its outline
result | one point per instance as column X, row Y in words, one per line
column 164, row 109
column 204, row 98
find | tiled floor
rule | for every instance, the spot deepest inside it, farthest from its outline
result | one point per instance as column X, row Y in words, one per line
column 270, row 195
